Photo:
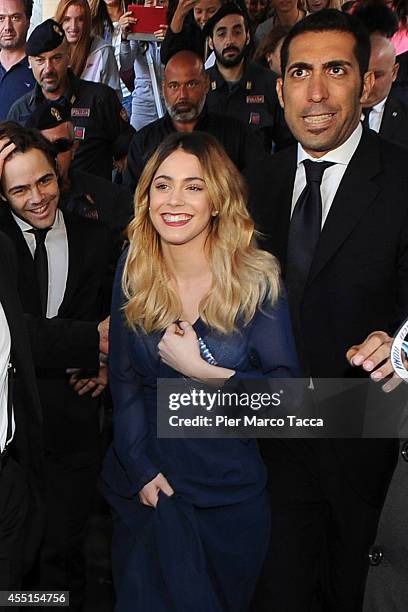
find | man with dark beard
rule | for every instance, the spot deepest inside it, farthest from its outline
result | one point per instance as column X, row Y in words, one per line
column 239, row 87
column 185, row 87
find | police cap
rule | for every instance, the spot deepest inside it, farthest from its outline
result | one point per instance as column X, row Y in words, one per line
column 45, row 37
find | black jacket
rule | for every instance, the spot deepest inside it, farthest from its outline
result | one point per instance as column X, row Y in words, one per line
column 394, row 124
column 358, row 282
column 71, row 422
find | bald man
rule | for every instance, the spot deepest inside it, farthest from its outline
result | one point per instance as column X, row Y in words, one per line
column 185, row 87
column 384, row 112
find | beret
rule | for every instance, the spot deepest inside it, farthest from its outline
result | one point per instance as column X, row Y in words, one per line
column 45, row 37
column 229, row 8
column 49, row 114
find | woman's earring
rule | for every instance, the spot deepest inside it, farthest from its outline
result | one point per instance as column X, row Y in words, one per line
column 215, row 213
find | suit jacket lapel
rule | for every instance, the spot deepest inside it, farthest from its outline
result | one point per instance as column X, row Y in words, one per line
column 280, row 203
column 391, row 120
column 355, row 194
column 27, row 283
column 74, row 237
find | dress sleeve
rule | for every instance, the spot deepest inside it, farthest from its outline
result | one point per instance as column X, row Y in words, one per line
column 129, row 415
column 271, row 344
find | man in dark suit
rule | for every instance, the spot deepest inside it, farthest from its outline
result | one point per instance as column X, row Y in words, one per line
column 343, row 246
column 63, row 263
column 384, row 111
column 21, row 503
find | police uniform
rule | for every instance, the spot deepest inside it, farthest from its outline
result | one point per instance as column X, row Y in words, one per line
column 96, row 112
column 253, row 100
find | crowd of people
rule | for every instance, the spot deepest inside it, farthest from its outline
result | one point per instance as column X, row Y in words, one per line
column 225, row 200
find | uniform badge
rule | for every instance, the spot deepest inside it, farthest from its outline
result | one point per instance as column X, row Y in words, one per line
column 79, row 133
column 55, row 113
column 213, row 85
column 80, row 112
column 254, row 118
column 255, row 99
column 248, row 85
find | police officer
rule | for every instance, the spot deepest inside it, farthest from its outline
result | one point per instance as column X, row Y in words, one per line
column 185, row 87
column 239, row 87
column 96, row 112
column 82, row 193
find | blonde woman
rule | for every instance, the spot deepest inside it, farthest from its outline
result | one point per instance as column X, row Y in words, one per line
column 193, row 298
column 92, row 58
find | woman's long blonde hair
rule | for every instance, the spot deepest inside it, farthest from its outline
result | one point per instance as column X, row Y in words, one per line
column 243, row 276
column 80, row 51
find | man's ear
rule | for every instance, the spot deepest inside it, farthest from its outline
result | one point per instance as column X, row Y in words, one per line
column 279, row 91
column 368, row 84
column 395, row 71
column 210, row 43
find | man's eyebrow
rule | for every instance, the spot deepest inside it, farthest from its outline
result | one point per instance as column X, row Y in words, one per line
column 300, row 65
column 331, row 64
column 334, row 63
column 41, row 178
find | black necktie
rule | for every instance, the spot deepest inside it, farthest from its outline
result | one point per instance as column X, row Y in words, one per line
column 304, row 231
column 41, row 266
column 366, row 113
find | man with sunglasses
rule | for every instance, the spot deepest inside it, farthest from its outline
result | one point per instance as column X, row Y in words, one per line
column 82, row 193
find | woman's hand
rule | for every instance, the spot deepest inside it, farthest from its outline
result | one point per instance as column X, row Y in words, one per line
column 126, row 22
column 179, row 349
column 183, row 8
column 149, row 495
column 161, row 32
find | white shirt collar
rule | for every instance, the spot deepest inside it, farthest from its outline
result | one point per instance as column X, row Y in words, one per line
column 378, row 108
column 26, row 227
column 341, row 155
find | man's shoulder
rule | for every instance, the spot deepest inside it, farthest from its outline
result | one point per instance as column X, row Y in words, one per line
column 86, row 231
column 98, row 185
column 21, row 107
column 279, row 163
column 256, row 71
column 158, row 128
column 95, row 90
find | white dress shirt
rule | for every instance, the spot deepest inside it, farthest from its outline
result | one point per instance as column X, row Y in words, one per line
column 56, row 243
column 376, row 115
column 5, row 346
column 332, row 176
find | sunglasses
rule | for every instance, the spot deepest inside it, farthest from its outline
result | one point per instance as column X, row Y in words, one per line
column 62, row 145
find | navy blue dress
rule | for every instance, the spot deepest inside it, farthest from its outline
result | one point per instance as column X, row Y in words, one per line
column 200, row 550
